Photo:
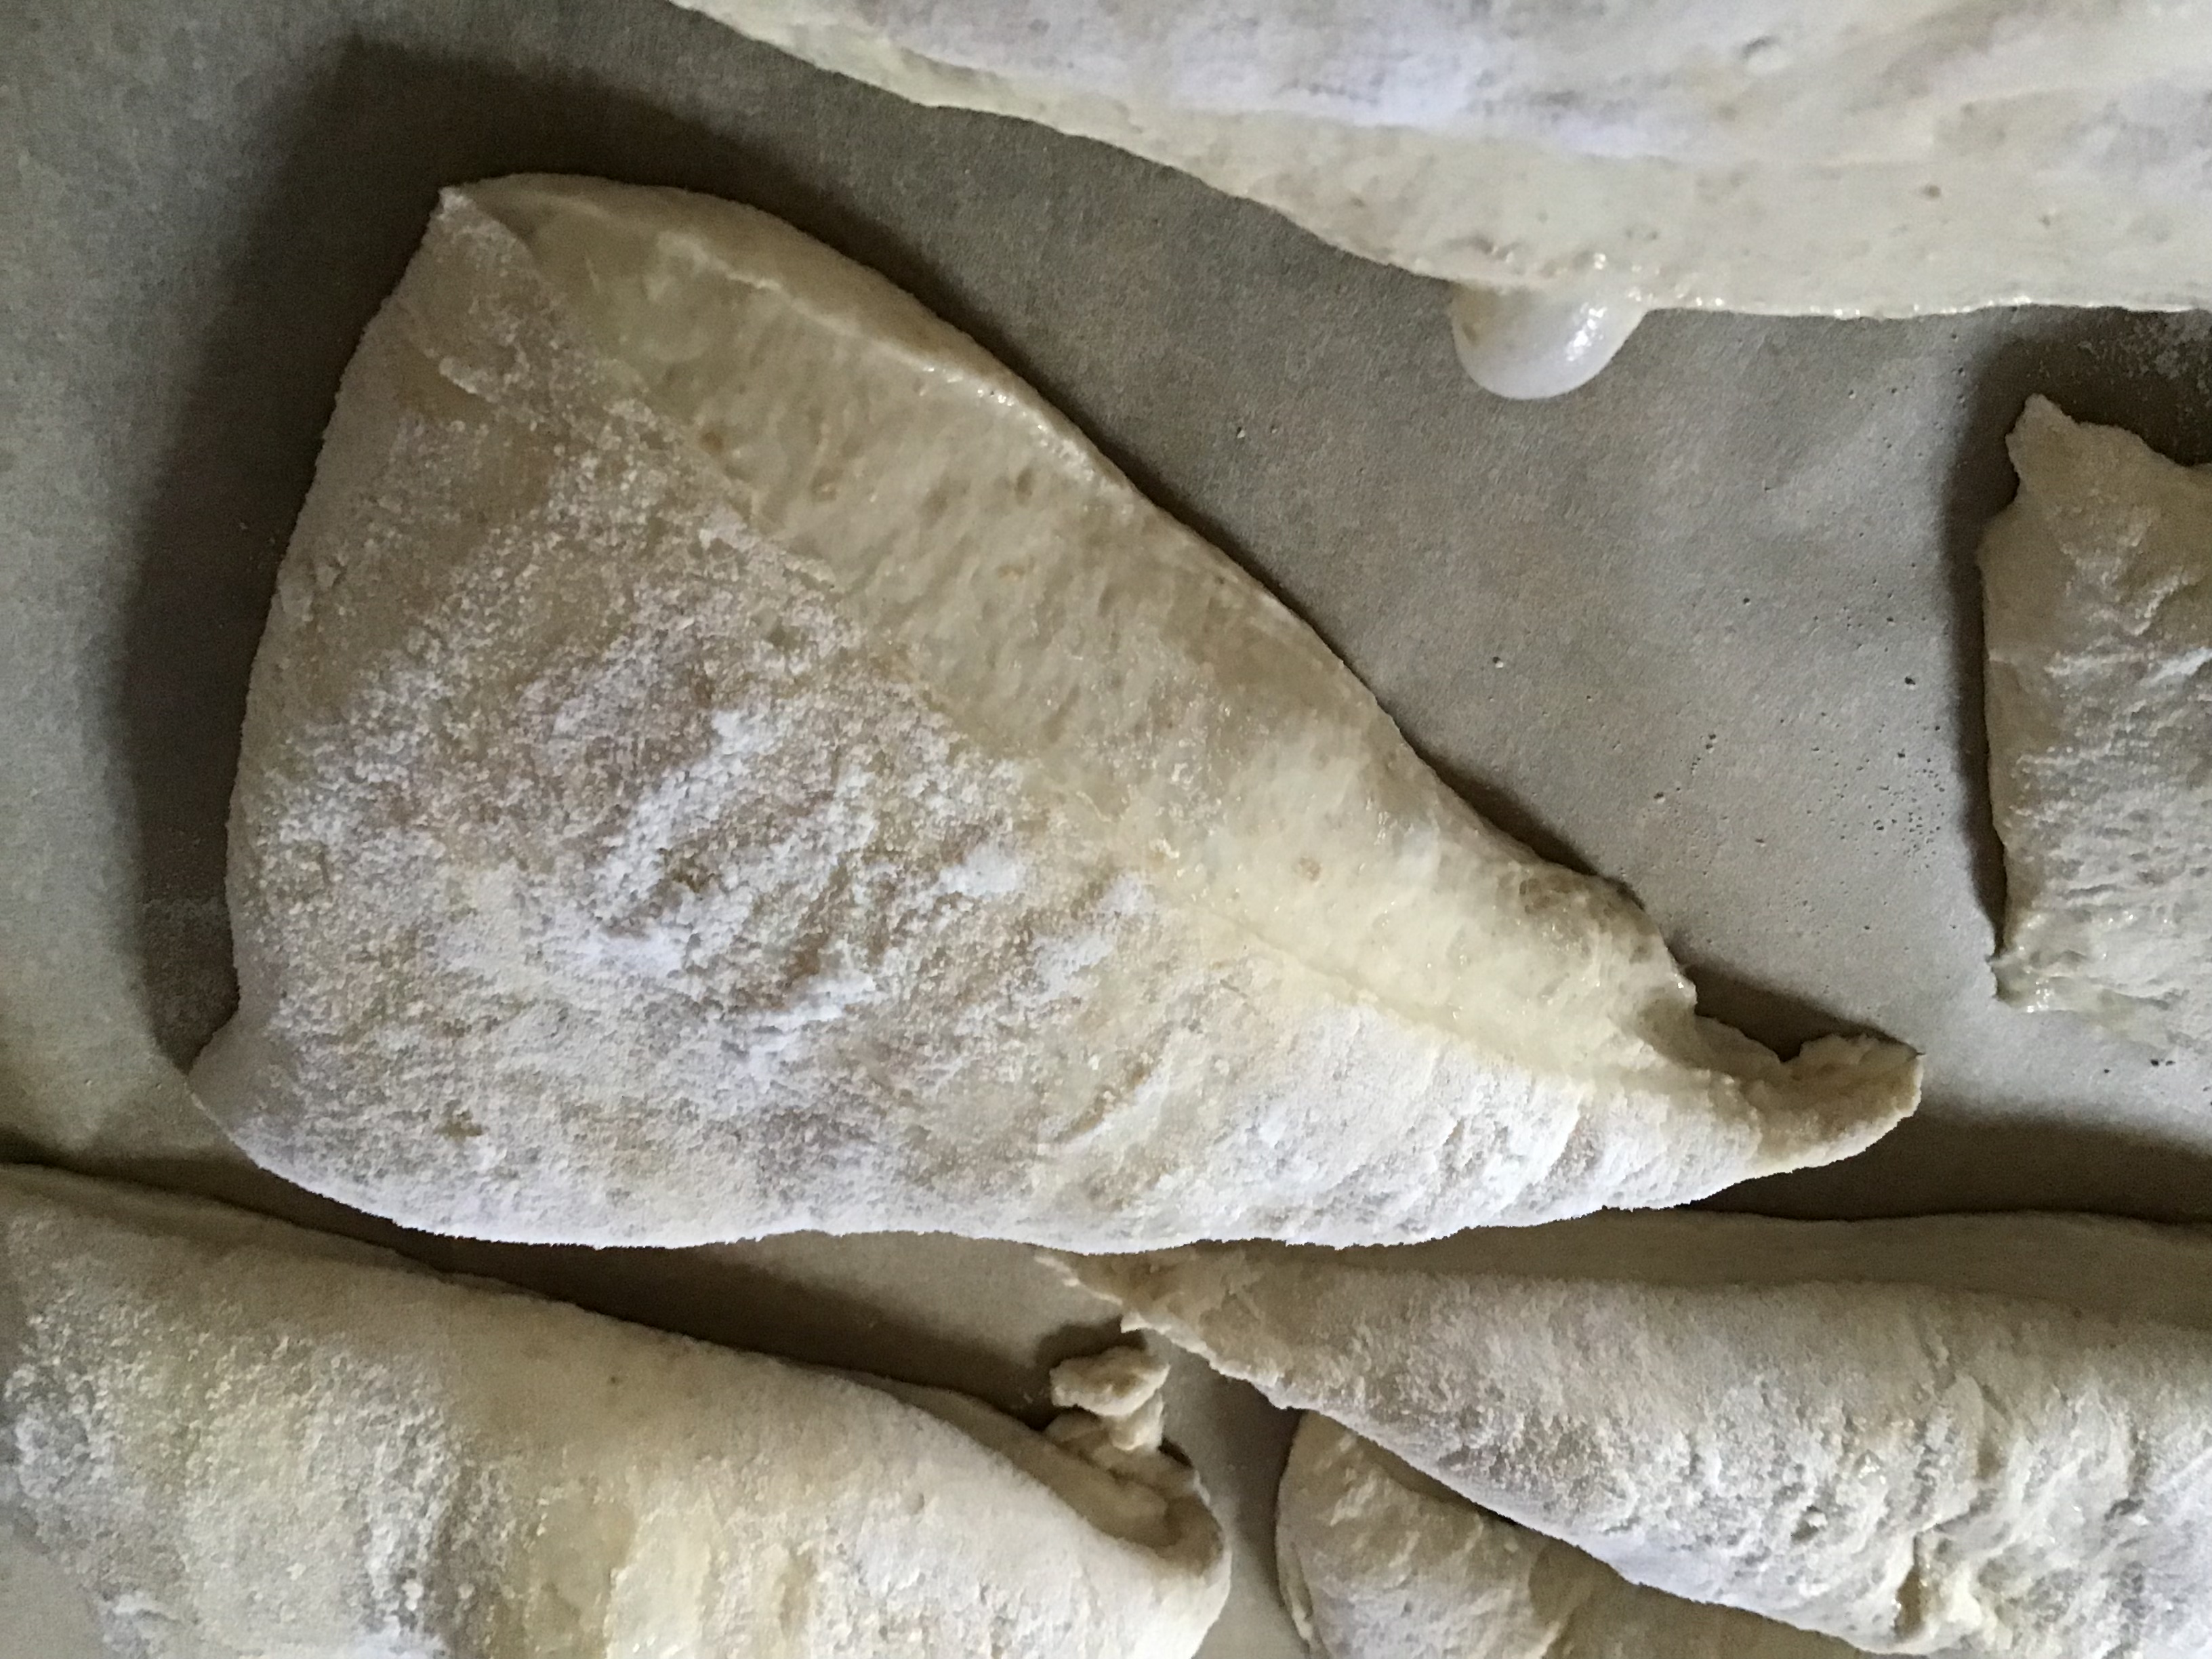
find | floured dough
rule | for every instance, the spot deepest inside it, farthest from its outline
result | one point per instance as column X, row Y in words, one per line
column 1380, row 1562
column 1591, row 162
column 250, row 1441
column 1120, row 1389
column 729, row 760
column 2098, row 625
column 726, row 758
column 1979, row 1437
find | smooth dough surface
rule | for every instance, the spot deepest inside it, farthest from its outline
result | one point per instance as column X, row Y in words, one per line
column 1979, row 1436
column 247, row 1441
column 1858, row 157
column 2097, row 625
column 727, row 758
column 1380, row 1562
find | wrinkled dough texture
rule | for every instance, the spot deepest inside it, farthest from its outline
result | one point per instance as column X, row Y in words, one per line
column 2098, row 625
column 247, row 1440
column 1871, row 157
column 1380, row 1562
column 726, row 759
column 1976, row 1436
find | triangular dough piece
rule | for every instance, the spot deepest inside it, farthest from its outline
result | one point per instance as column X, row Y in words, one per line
column 1858, row 157
column 1380, row 1562
column 2098, row 623
column 1985, row 1437
column 727, row 758
column 246, row 1440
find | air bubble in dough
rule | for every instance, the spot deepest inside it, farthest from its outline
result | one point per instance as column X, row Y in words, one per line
column 1975, row 1436
column 245, row 1440
column 727, row 758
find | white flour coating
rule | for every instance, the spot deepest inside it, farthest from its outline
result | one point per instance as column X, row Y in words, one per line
column 726, row 758
column 1846, row 157
column 1377, row 1561
column 1972, row 1436
column 245, row 1441
column 2098, row 623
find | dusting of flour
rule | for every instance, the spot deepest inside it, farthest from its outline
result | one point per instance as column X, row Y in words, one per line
column 722, row 763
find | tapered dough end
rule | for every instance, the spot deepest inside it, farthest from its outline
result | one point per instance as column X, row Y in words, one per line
column 1379, row 1561
column 1841, row 1095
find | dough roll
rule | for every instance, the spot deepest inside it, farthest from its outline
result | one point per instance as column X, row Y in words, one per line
column 726, row 758
column 1380, row 1562
column 243, row 1440
column 1575, row 165
column 1978, row 1437
column 2098, row 622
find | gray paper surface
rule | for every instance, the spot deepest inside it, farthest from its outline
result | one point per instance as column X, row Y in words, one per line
column 1707, row 626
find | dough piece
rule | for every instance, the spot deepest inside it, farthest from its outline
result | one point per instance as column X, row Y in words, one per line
column 727, row 758
column 2098, row 622
column 1380, row 1562
column 1982, row 1436
column 1122, row 1389
column 1585, row 163
column 245, row 1440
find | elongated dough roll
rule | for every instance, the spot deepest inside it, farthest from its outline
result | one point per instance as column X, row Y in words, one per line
column 2099, row 627
column 727, row 758
column 246, row 1440
column 1980, row 1437
column 1578, row 165
column 1380, row 1562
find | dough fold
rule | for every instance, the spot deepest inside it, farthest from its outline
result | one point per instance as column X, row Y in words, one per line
column 2097, row 625
column 726, row 758
column 1380, row 1562
column 1979, row 1436
column 245, row 1440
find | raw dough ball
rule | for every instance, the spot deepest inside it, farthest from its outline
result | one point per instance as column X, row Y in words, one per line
column 1380, row 1562
column 2098, row 628
column 248, row 1441
column 1576, row 165
column 1978, row 1437
column 726, row 759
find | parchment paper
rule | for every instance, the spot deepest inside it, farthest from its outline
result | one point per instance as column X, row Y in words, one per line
column 1707, row 626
